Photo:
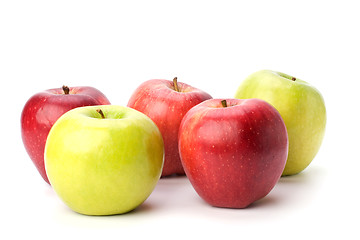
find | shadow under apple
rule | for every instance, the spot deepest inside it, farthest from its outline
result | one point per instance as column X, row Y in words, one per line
column 294, row 190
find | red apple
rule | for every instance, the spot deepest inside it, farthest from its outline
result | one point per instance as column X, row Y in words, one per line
column 43, row 109
column 166, row 103
column 233, row 151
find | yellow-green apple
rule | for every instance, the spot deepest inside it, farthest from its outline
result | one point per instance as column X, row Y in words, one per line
column 301, row 106
column 166, row 103
column 104, row 160
column 44, row 108
column 233, row 151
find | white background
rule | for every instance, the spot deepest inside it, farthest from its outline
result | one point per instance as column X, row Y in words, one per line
column 213, row 45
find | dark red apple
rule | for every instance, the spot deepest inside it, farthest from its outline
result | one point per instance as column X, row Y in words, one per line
column 233, row 151
column 166, row 103
column 43, row 109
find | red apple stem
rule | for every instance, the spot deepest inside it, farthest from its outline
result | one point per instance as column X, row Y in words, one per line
column 293, row 78
column 101, row 113
column 176, row 87
column 66, row 89
column 223, row 103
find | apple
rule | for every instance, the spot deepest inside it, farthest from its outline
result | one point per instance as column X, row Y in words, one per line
column 233, row 151
column 104, row 160
column 44, row 108
column 166, row 103
column 301, row 106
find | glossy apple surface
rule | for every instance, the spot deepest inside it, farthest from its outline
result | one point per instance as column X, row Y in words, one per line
column 104, row 163
column 166, row 103
column 233, row 154
column 301, row 106
column 43, row 109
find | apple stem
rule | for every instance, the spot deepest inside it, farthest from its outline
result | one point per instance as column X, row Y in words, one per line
column 101, row 113
column 176, row 87
column 293, row 78
column 223, row 103
column 66, row 89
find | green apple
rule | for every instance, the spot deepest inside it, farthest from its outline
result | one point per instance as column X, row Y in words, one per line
column 302, row 108
column 104, row 160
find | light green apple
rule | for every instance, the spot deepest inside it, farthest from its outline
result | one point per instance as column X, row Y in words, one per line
column 302, row 108
column 104, row 160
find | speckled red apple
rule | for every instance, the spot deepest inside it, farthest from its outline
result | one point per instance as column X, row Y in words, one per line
column 43, row 109
column 166, row 103
column 233, row 151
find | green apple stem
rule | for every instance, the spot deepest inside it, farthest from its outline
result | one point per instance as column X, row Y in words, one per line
column 101, row 113
column 293, row 78
column 223, row 103
column 66, row 89
column 176, row 87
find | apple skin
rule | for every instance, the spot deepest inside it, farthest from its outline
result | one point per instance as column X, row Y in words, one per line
column 301, row 106
column 43, row 109
column 104, row 166
column 158, row 99
column 234, row 155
